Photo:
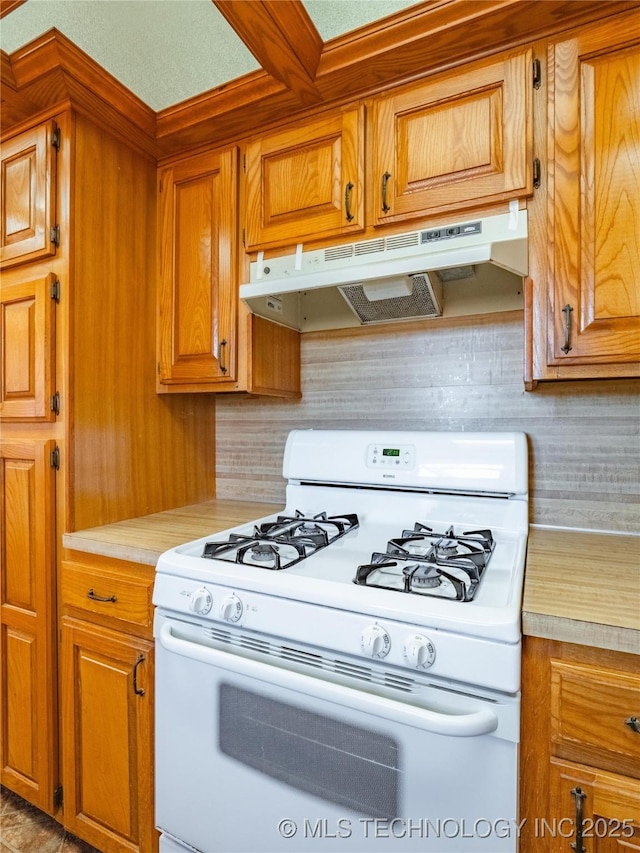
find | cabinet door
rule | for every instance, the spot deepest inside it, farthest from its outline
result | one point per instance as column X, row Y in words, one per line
column 594, row 187
column 27, row 190
column 458, row 141
column 605, row 806
column 28, row 725
column 306, row 182
column 107, row 737
column 198, row 285
column 27, row 349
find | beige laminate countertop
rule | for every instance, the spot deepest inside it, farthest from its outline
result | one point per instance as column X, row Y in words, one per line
column 580, row 587
column 142, row 540
column 583, row 587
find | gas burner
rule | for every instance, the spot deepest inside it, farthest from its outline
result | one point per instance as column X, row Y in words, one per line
column 263, row 551
column 282, row 543
column 427, row 577
column 423, row 561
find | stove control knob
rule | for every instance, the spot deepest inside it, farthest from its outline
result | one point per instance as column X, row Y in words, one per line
column 200, row 601
column 419, row 651
column 376, row 643
column 231, row 608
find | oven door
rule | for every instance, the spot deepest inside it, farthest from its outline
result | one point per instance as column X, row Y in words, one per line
column 258, row 756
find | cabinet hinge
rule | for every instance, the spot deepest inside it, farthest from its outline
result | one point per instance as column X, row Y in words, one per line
column 54, row 458
column 537, row 74
column 57, row 798
column 244, row 162
column 54, row 235
column 56, row 137
column 55, row 290
column 54, row 403
column 536, row 173
column 244, row 241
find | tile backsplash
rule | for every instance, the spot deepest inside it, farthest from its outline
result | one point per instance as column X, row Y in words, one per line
column 584, row 437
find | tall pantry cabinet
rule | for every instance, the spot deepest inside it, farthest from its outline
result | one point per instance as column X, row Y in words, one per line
column 84, row 438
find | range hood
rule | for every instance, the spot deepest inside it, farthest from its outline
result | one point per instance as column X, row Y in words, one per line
column 471, row 267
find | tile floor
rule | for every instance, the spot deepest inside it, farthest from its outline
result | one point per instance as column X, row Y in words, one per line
column 25, row 829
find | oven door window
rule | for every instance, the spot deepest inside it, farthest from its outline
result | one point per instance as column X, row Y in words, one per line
column 339, row 762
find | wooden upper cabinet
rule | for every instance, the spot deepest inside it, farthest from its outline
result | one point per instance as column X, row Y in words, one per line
column 306, row 182
column 594, row 197
column 463, row 139
column 198, row 285
column 28, row 193
column 27, row 349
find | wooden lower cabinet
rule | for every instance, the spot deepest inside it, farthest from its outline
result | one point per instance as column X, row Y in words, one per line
column 28, row 732
column 580, row 749
column 107, row 678
column 602, row 808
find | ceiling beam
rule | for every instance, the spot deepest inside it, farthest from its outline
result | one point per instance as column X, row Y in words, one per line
column 7, row 6
column 283, row 38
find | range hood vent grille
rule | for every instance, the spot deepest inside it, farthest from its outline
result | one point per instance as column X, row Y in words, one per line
column 421, row 302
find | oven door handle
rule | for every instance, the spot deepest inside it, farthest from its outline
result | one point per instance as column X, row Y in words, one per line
column 452, row 725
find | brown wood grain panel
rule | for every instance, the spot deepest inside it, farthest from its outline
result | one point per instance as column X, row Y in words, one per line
column 589, row 707
column 107, row 780
column 28, row 732
column 275, row 358
column 114, row 596
column 28, row 196
column 297, row 179
column 27, row 320
column 450, row 143
column 133, row 453
column 198, row 293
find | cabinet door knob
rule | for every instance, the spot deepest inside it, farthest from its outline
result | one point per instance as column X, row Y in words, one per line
column 634, row 724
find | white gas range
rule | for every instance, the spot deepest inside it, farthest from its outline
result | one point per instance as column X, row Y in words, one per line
column 350, row 667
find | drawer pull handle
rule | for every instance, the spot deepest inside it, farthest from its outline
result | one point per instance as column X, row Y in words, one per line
column 139, row 691
column 93, row 595
column 634, row 724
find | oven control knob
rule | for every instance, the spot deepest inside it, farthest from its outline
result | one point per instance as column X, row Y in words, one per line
column 200, row 601
column 376, row 643
column 231, row 608
column 419, row 651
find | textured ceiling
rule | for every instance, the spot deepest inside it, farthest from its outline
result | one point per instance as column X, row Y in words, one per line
column 166, row 51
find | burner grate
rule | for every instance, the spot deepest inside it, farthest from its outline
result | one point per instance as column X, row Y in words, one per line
column 282, row 543
column 426, row 562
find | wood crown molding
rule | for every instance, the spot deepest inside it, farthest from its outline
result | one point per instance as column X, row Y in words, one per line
column 420, row 40
column 7, row 6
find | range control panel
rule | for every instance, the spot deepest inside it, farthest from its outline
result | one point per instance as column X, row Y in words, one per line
column 387, row 456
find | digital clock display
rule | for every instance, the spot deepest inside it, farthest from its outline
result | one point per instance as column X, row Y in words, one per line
column 390, row 451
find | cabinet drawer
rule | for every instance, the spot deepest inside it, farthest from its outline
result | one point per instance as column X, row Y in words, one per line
column 589, row 709
column 107, row 593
